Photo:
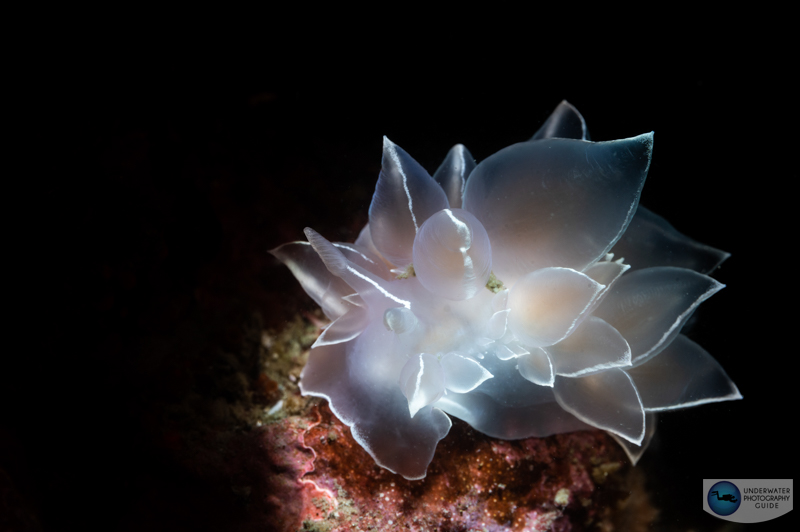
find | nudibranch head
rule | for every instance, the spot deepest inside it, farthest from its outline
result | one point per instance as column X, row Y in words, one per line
column 528, row 295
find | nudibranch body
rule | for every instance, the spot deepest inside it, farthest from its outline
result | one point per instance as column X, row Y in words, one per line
column 527, row 295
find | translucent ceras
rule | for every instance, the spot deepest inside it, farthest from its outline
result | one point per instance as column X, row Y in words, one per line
column 528, row 295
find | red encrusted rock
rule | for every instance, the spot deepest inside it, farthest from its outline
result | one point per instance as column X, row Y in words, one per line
column 295, row 467
column 577, row 481
column 321, row 479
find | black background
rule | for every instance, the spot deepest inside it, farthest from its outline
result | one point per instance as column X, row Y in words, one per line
column 152, row 186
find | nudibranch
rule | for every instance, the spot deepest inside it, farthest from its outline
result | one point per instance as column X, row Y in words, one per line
column 527, row 295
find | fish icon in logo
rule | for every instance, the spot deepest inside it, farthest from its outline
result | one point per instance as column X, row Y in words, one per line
column 724, row 498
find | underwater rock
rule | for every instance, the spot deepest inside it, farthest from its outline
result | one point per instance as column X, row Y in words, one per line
column 318, row 477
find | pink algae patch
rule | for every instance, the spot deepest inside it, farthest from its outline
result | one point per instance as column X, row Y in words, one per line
column 474, row 483
column 291, row 497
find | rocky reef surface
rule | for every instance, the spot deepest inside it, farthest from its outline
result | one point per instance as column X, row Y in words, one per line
column 295, row 466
